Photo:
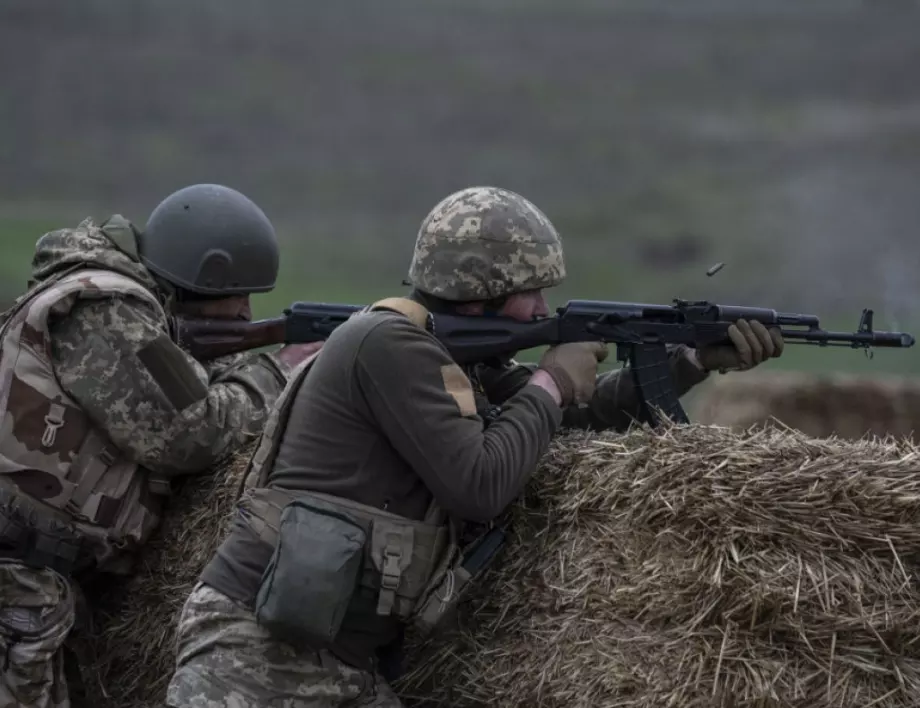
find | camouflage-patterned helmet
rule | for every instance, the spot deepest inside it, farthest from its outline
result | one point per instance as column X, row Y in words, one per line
column 212, row 240
column 483, row 243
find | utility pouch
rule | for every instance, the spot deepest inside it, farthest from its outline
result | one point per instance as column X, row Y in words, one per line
column 313, row 572
column 39, row 542
column 439, row 606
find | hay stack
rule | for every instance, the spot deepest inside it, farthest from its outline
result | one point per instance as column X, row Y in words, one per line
column 847, row 406
column 698, row 568
column 127, row 653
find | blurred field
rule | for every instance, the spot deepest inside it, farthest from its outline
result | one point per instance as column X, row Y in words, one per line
column 782, row 138
column 820, row 405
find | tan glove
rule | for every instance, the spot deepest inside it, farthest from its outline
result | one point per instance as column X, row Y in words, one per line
column 752, row 344
column 573, row 366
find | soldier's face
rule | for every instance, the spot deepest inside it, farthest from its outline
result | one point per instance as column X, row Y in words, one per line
column 526, row 306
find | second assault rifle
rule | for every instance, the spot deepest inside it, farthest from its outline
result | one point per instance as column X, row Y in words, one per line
column 640, row 332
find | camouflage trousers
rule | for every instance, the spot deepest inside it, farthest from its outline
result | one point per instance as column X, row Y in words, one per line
column 37, row 612
column 226, row 660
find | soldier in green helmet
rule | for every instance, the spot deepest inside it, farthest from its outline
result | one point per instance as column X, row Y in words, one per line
column 101, row 410
column 382, row 456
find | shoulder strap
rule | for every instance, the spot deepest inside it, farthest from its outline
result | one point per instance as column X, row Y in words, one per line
column 416, row 313
column 34, row 291
column 264, row 455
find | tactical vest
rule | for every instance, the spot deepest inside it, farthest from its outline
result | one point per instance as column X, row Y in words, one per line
column 411, row 565
column 52, row 457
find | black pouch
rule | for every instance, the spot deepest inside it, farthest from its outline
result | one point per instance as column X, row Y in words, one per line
column 313, row 572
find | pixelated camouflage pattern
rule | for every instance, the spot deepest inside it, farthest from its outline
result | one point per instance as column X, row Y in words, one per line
column 95, row 357
column 37, row 611
column 83, row 368
column 224, row 658
column 47, row 441
column 485, row 242
column 111, row 245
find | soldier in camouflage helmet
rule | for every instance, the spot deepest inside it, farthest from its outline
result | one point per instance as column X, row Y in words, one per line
column 484, row 244
column 383, row 457
column 100, row 409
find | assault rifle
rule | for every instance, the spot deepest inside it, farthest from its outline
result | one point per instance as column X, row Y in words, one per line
column 641, row 333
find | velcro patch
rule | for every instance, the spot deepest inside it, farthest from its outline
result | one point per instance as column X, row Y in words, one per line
column 458, row 386
column 170, row 369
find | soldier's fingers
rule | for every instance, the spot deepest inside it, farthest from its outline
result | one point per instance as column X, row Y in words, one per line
column 741, row 345
column 600, row 351
column 766, row 341
column 778, row 341
column 752, row 340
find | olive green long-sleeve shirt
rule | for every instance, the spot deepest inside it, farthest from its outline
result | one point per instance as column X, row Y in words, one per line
column 386, row 418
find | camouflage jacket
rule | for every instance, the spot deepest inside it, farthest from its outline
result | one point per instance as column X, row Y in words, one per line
column 99, row 406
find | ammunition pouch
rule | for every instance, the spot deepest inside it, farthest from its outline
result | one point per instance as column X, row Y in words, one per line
column 411, row 568
column 313, row 572
column 40, row 540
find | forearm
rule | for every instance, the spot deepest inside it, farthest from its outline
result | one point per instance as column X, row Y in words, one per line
column 154, row 402
column 616, row 404
column 427, row 409
column 218, row 369
column 234, row 413
column 484, row 471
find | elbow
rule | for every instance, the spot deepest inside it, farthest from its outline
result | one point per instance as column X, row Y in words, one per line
column 476, row 494
column 480, row 513
column 473, row 511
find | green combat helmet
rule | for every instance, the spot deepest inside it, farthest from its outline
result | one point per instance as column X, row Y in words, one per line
column 211, row 240
column 484, row 243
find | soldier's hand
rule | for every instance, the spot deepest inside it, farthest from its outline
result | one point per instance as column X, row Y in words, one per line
column 752, row 344
column 293, row 354
column 573, row 367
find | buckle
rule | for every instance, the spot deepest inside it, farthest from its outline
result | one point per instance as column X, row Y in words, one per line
column 107, row 456
column 390, row 572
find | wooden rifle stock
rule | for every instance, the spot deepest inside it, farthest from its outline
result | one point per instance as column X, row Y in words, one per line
column 209, row 339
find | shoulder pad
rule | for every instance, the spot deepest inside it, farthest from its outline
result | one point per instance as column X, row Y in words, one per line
column 121, row 233
column 416, row 312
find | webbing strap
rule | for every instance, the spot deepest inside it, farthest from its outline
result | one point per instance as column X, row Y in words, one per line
column 87, row 470
column 414, row 311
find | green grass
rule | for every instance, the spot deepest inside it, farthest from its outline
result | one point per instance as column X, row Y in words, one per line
column 325, row 270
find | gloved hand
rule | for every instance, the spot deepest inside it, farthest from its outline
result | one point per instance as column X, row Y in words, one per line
column 752, row 344
column 573, row 366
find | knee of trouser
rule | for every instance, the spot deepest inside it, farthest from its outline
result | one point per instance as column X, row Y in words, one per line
column 36, row 617
column 36, row 604
column 212, row 622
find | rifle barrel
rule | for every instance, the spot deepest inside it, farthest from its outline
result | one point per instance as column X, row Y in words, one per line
column 855, row 340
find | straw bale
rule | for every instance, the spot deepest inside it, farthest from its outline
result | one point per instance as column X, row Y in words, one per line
column 698, row 567
column 820, row 405
column 695, row 567
column 127, row 652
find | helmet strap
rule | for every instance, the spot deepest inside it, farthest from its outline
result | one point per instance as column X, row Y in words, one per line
column 438, row 305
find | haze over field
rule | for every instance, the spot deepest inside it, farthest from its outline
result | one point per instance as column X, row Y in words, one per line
column 782, row 138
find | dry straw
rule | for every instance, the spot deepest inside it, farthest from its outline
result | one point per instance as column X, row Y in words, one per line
column 698, row 568
column 128, row 653
column 695, row 567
